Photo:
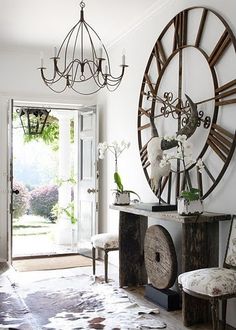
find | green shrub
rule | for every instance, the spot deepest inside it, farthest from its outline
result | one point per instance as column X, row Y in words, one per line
column 43, row 199
column 20, row 200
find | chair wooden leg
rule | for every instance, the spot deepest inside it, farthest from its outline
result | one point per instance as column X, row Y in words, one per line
column 106, row 265
column 224, row 308
column 215, row 313
column 94, row 259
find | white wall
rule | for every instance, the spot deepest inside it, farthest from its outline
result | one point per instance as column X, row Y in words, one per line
column 119, row 121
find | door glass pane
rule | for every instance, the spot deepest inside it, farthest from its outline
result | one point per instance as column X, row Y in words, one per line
column 86, row 147
column 86, row 122
column 86, row 221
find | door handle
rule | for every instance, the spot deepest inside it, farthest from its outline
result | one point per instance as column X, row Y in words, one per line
column 91, row 190
column 16, row 191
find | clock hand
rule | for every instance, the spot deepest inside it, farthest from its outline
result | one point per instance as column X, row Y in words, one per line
column 187, row 130
column 170, row 108
column 217, row 97
column 224, row 92
column 166, row 104
column 180, row 83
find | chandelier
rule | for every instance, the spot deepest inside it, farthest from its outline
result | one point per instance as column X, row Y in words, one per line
column 33, row 120
column 82, row 62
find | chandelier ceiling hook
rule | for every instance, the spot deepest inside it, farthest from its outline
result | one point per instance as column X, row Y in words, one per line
column 82, row 4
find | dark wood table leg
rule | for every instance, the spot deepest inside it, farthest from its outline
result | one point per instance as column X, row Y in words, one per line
column 132, row 230
column 200, row 249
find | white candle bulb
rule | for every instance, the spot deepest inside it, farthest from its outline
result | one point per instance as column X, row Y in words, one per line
column 123, row 59
column 41, row 59
column 100, row 52
column 55, row 51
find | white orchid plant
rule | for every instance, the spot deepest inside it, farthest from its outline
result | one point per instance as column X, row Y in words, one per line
column 184, row 154
column 116, row 149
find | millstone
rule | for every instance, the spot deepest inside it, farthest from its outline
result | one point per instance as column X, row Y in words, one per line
column 160, row 257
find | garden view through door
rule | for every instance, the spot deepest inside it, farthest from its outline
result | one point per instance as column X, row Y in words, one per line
column 53, row 212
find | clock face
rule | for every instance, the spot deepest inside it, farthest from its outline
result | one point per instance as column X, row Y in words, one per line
column 194, row 56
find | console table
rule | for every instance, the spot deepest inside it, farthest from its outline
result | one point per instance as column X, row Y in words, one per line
column 200, row 249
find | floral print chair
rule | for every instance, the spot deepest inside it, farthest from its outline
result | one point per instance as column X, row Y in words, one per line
column 215, row 284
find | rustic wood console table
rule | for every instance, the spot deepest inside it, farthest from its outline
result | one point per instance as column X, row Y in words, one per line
column 200, row 248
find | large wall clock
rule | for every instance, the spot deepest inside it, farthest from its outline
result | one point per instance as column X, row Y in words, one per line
column 194, row 56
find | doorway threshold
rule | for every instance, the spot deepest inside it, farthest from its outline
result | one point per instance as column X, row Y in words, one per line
column 45, row 255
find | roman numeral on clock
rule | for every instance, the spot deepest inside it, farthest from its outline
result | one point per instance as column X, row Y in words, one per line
column 160, row 55
column 221, row 141
column 180, row 33
column 144, row 156
column 201, row 27
column 144, row 112
column 150, row 85
column 163, row 183
column 221, row 46
column 226, row 91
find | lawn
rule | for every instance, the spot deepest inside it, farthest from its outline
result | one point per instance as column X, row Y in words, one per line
column 32, row 225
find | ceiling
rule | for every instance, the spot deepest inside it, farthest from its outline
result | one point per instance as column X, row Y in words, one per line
column 39, row 24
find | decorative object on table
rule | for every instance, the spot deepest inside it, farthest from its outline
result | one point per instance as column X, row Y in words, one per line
column 189, row 207
column 181, row 59
column 189, row 202
column 161, row 265
column 214, row 284
column 121, row 196
column 156, row 207
column 86, row 69
column 33, row 119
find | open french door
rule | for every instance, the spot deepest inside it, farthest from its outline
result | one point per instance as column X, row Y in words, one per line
column 87, row 178
column 85, row 121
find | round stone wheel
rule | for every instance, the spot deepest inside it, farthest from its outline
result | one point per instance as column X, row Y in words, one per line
column 160, row 257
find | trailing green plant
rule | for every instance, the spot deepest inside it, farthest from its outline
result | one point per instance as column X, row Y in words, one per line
column 50, row 134
column 71, row 180
column 69, row 211
column 192, row 194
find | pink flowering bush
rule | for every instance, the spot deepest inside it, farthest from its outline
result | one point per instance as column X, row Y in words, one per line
column 43, row 199
column 20, row 199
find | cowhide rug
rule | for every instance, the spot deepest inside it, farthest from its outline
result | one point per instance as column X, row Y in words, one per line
column 72, row 303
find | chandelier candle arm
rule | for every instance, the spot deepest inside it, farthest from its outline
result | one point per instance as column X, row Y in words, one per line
column 82, row 58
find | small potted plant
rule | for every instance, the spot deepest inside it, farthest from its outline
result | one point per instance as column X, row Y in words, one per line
column 189, row 201
column 121, row 196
